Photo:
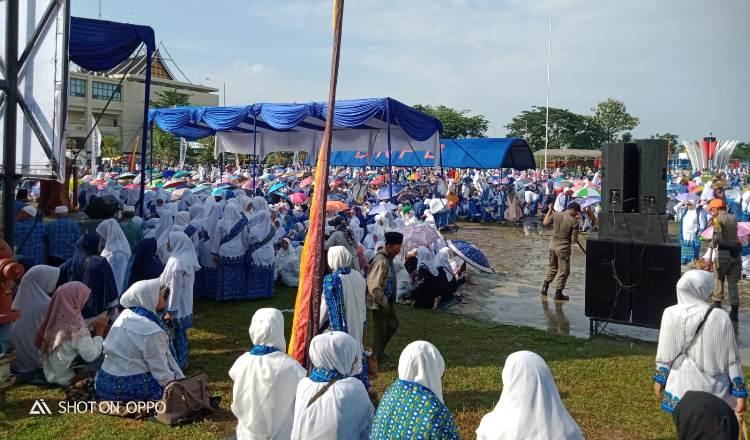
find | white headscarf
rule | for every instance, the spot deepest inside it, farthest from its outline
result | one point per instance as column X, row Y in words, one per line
column 715, row 347
column 443, row 260
column 32, row 299
column 182, row 219
column 265, row 386
column 114, row 238
column 182, row 257
column 354, row 289
column 141, row 294
column 344, row 411
column 212, row 215
column 422, row 363
column 232, row 214
column 529, row 406
column 425, row 258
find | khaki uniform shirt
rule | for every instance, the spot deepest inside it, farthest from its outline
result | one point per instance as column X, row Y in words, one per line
column 564, row 231
column 725, row 230
column 377, row 279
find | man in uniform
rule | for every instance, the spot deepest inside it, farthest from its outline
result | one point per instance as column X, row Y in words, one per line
column 564, row 232
column 728, row 249
column 382, row 320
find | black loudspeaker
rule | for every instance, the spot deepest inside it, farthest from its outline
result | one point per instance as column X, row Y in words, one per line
column 620, row 171
column 652, row 182
column 606, row 263
column 655, row 272
column 102, row 207
column 630, row 283
column 637, row 228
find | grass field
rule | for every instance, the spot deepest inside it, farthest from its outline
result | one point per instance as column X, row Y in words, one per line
column 605, row 383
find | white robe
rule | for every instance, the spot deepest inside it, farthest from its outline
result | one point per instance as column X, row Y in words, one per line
column 116, row 250
column 179, row 275
column 354, row 289
column 265, row 386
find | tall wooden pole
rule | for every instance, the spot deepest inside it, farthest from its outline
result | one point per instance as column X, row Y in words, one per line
column 307, row 304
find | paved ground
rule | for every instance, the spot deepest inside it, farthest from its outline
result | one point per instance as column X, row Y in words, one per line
column 512, row 295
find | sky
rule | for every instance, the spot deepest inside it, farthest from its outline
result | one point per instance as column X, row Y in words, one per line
column 681, row 66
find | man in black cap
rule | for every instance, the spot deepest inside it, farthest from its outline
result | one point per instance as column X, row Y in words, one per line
column 381, row 295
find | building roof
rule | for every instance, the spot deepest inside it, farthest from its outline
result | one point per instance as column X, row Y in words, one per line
column 137, row 66
column 570, row 152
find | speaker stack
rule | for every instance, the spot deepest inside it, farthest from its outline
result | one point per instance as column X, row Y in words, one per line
column 632, row 267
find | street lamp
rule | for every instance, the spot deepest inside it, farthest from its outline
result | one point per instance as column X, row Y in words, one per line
column 224, row 91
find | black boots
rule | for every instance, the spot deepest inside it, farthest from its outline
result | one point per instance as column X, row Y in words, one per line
column 545, row 287
column 559, row 296
column 734, row 314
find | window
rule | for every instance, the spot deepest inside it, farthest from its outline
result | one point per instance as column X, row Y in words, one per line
column 114, row 122
column 78, row 87
column 103, row 91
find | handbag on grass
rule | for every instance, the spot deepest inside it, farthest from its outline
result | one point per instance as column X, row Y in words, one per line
column 185, row 400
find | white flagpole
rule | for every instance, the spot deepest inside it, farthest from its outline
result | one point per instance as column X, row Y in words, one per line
column 546, row 124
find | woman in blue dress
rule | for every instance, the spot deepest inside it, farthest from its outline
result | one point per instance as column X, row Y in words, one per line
column 412, row 407
column 259, row 258
column 229, row 246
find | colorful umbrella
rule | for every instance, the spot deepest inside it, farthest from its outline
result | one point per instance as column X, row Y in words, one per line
column 415, row 176
column 336, row 206
column 378, row 180
column 588, row 201
column 177, row 194
column 126, row 176
column 381, row 209
column 180, row 174
column 297, row 198
column 306, row 182
column 471, row 255
column 203, row 187
column 174, row 183
column 418, row 235
column 276, row 186
column 587, row 192
column 687, row 196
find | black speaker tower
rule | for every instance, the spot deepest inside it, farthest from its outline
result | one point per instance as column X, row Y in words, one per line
column 632, row 267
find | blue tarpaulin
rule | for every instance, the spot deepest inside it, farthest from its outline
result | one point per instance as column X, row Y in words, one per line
column 486, row 153
column 100, row 45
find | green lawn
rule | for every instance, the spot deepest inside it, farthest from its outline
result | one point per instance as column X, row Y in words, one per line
column 605, row 383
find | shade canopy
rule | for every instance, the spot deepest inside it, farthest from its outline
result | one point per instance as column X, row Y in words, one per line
column 262, row 128
column 485, row 153
column 101, row 45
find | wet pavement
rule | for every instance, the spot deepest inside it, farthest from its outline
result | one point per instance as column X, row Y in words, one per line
column 511, row 296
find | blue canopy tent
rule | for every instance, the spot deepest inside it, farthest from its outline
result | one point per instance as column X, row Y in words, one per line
column 485, row 153
column 373, row 125
column 100, row 45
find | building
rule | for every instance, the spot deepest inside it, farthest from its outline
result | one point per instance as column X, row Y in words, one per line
column 90, row 91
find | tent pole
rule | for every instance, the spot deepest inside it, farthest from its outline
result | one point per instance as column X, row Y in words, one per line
column 151, row 155
column 146, row 127
column 390, row 160
column 546, row 124
column 9, row 135
column 255, row 136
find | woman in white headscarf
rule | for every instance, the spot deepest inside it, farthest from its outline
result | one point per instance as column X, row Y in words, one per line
column 420, row 372
column 116, row 250
column 343, row 304
column 265, row 381
column 32, row 300
column 330, row 404
column 138, row 357
column 442, row 260
column 206, row 278
column 429, row 280
column 287, row 264
column 529, row 406
column 697, row 348
column 260, row 279
column 690, row 245
column 179, row 276
column 229, row 244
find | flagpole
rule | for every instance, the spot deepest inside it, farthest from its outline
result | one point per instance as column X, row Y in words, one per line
column 546, row 124
column 307, row 303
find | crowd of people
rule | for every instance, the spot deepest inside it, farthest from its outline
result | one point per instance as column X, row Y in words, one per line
column 115, row 305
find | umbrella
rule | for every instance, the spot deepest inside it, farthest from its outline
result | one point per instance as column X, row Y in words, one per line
column 587, row 192
column 415, row 176
column 381, row 209
column 131, row 186
column 385, row 193
column 174, row 183
column 588, row 201
column 126, row 176
column 743, row 232
column 306, row 182
column 470, row 254
column 177, row 194
column 336, row 196
column 180, row 174
column 201, row 188
column 335, row 206
column 298, row 198
column 419, row 235
column 276, row 186
column 687, row 196
column 378, row 180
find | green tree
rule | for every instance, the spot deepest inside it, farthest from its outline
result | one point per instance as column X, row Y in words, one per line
column 566, row 129
column 280, row 158
column 742, row 152
column 167, row 145
column 111, row 145
column 206, row 155
column 613, row 118
column 456, row 123
column 669, row 137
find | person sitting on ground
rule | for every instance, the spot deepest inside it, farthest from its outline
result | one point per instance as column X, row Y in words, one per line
column 697, row 348
column 420, row 371
column 63, row 335
column 144, row 264
column 138, row 357
column 131, row 225
column 529, row 406
column 287, row 264
column 98, row 276
column 74, row 268
column 62, row 236
column 32, row 299
column 430, row 282
column 30, row 235
column 265, row 381
column 701, row 415
column 330, row 404
column 115, row 249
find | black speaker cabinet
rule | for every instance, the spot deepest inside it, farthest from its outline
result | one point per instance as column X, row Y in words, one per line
column 655, row 272
column 620, row 171
column 652, row 183
column 638, row 228
column 607, row 262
